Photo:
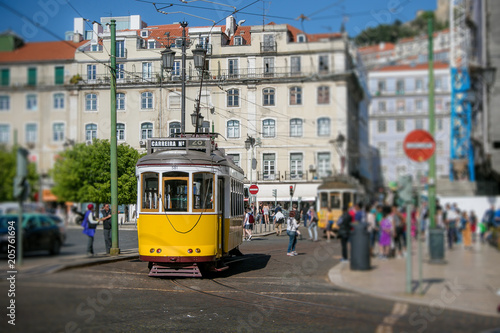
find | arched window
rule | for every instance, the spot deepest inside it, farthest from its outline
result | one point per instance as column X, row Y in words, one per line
column 174, row 127
column 90, row 131
column 146, row 131
column 120, row 132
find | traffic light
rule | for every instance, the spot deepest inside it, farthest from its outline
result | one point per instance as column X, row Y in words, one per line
column 275, row 194
column 291, row 190
column 21, row 180
column 405, row 188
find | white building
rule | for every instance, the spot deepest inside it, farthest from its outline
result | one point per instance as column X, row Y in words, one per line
column 400, row 105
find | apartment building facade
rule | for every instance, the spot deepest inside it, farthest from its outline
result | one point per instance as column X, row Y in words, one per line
column 400, row 105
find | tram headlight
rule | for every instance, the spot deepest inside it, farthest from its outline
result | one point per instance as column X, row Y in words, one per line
column 152, row 251
column 190, row 250
column 198, row 250
column 158, row 251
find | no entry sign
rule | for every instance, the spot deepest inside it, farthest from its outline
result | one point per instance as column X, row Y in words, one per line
column 253, row 189
column 419, row 145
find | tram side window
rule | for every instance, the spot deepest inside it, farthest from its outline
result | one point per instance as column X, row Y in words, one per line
column 324, row 200
column 149, row 191
column 175, row 191
column 203, row 191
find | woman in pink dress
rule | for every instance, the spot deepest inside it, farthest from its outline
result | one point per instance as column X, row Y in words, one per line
column 385, row 234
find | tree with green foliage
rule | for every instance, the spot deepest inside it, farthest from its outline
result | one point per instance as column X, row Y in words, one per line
column 8, row 172
column 391, row 33
column 82, row 173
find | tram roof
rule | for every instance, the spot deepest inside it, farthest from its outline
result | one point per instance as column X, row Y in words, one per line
column 341, row 183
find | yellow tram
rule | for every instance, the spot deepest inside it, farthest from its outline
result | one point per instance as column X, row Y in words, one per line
column 190, row 205
column 337, row 192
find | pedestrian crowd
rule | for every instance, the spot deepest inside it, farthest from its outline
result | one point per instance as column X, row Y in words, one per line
column 386, row 225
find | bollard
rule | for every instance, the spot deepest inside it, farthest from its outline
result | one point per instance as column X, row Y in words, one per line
column 360, row 247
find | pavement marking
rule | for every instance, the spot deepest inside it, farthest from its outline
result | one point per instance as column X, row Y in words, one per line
column 398, row 311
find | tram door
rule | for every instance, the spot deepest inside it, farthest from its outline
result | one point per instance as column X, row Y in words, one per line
column 220, row 216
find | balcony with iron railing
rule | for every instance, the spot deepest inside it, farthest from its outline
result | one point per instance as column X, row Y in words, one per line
column 268, row 47
column 277, row 176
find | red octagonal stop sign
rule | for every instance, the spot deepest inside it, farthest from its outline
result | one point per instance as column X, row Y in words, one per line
column 419, row 145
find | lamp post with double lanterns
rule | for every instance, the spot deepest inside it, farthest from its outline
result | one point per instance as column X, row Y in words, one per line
column 168, row 57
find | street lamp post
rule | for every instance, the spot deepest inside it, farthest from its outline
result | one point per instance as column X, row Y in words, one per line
column 339, row 147
column 250, row 144
column 168, row 56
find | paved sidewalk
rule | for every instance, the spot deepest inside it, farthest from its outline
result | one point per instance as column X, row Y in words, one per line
column 468, row 281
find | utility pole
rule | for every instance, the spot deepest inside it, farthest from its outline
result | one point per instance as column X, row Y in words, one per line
column 436, row 236
column 115, row 250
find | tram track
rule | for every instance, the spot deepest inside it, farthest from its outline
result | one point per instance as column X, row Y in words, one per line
column 373, row 317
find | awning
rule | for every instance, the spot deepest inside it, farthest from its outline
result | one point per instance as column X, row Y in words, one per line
column 47, row 195
column 306, row 192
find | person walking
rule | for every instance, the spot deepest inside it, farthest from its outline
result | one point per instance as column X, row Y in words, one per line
column 398, row 223
column 89, row 225
column 451, row 225
column 265, row 209
column 329, row 225
column 344, row 224
column 106, row 225
column 248, row 224
column 466, row 230
column 313, row 224
column 291, row 230
column 386, row 228
column 279, row 219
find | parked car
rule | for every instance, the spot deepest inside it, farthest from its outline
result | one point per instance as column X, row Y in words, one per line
column 61, row 224
column 40, row 232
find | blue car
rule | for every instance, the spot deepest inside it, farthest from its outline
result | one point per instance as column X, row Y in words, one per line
column 40, row 232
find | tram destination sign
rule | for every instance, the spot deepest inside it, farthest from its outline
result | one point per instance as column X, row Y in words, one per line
column 168, row 143
column 179, row 143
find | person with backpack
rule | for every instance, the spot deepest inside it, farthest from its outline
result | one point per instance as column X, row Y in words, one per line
column 248, row 224
column 291, row 230
column 89, row 225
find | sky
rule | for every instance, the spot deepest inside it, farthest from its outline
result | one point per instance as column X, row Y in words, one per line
column 54, row 17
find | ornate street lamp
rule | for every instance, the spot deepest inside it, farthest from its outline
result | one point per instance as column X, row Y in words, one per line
column 196, row 119
column 199, row 57
column 167, row 57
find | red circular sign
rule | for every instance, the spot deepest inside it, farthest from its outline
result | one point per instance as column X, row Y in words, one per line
column 254, row 189
column 419, row 145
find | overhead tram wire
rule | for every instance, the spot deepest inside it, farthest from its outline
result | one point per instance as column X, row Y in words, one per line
column 215, row 9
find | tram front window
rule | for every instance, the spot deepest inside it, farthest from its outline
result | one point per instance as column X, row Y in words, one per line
column 203, row 191
column 149, row 191
column 335, row 200
column 324, row 200
column 175, row 192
